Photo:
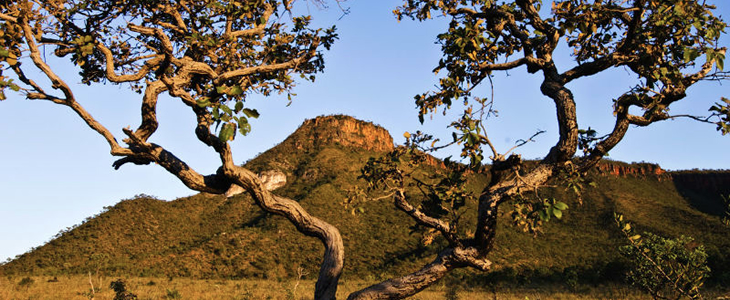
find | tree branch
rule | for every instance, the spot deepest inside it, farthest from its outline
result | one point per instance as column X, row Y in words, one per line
column 258, row 29
column 59, row 84
column 423, row 219
column 411, row 284
column 269, row 68
column 113, row 77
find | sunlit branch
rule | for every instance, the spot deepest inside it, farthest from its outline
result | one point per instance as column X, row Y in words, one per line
column 69, row 100
column 8, row 18
column 269, row 68
column 258, row 29
column 594, row 67
column 113, row 77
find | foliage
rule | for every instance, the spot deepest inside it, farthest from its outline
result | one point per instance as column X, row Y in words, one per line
column 119, row 287
column 225, row 50
column 666, row 268
column 25, row 281
column 173, row 294
column 723, row 111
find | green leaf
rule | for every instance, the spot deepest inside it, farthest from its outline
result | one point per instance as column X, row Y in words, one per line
column 720, row 62
column 561, row 205
column 203, row 102
column 690, row 54
column 235, row 90
column 227, row 109
column 228, row 132
column 243, row 126
column 251, row 113
column 558, row 213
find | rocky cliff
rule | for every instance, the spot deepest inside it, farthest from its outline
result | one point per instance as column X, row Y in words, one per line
column 342, row 130
column 702, row 189
column 643, row 170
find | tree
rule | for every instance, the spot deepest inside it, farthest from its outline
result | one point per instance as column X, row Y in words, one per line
column 669, row 45
column 211, row 55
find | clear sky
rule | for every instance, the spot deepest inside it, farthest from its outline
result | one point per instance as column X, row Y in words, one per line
column 55, row 171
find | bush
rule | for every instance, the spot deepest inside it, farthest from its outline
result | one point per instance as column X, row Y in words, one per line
column 173, row 294
column 26, row 281
column 666, row 268
column 120, row 289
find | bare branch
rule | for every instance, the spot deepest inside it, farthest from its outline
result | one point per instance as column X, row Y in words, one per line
column 521, row 143
column 113, row 77
column 411, row 284
column 601, row 64
column 423, row 219
column 69, row 100
column 8, row 18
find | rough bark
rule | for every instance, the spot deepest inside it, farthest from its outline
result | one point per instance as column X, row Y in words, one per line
column 334, row 253
column 408, row 285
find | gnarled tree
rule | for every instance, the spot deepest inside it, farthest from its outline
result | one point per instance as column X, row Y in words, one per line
column 210, row 55
column 669, row 45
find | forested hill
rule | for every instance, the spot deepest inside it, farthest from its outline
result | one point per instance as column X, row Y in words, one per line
column 208, row 236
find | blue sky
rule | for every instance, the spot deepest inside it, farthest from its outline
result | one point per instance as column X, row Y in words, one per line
column 55, row 171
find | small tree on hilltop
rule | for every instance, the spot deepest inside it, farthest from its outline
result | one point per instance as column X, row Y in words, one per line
column 669, row 45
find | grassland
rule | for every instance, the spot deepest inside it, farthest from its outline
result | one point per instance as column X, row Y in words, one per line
column 78, row 287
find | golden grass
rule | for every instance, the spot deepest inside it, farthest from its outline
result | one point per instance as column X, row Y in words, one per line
column 78, row 287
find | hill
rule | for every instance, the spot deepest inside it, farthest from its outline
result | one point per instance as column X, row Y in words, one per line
column 210, row 236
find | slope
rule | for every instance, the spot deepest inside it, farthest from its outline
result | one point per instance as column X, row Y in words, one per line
column 208, row 236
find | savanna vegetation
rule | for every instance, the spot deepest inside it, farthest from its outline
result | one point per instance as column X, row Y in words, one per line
column 211, row 55
column 201, row 237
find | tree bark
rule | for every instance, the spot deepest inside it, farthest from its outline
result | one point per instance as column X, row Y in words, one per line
column 334, row 254
column 408, row 285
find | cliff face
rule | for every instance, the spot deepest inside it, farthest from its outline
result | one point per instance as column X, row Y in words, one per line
column 702, row 189
column 343, row 130
column 643, row 170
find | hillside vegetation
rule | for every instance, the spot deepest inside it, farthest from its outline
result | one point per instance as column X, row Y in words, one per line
column 209, row 236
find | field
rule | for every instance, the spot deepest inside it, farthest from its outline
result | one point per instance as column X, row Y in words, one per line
column 79, row 287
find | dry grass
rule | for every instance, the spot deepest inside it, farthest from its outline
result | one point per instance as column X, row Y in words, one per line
column 78, row 287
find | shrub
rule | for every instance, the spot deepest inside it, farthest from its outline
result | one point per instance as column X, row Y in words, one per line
column 120, row 290
column 173, row 294
column 26, row 281
column 666, row 268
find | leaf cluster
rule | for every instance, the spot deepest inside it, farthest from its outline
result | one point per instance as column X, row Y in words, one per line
column 530, row 215
column 722, row 111
column 666, row 268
